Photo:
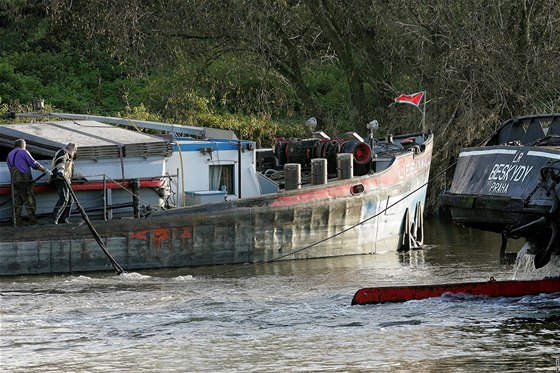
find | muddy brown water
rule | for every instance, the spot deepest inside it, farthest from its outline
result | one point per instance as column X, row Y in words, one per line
column 284, row 317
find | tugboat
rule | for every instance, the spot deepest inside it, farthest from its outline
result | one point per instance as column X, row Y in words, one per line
column 510, row 185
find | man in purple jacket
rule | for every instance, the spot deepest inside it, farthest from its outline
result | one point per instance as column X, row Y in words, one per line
column 20, row 163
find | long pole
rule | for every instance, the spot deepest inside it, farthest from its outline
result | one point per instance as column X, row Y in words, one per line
column 116, row 265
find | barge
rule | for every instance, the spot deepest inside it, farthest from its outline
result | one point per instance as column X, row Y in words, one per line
column 193, row 196
column 510, row 185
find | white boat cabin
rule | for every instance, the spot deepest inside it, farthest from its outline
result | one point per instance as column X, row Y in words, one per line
column 171, row 170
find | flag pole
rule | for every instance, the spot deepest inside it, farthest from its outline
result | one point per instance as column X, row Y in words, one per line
column 424, row 114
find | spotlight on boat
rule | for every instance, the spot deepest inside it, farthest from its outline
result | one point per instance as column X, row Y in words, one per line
column 373, row 125
column 311, row 123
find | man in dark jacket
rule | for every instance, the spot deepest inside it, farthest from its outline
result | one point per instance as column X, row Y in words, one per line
column 20, row 162
column 62, row 168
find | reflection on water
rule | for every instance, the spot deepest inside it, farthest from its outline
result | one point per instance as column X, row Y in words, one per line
column 285, row 316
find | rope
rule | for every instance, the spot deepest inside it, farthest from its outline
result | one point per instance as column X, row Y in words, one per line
column 342, row 231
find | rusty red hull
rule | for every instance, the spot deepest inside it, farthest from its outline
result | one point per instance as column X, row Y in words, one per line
column 489, row 289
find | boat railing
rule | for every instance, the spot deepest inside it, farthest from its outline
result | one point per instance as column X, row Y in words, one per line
column 134, row 190
column 131, row 186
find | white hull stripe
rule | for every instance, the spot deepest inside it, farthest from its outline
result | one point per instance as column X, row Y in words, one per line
column 534, row 153
column 468, row 153
column 543, row 154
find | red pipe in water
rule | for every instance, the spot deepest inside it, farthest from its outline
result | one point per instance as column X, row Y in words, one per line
column 490, row 288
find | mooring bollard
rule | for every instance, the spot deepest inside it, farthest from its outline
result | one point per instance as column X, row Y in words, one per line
column 344, row 166
column 318, row 171
column 293, row 176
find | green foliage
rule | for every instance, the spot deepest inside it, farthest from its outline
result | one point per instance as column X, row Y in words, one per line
column 330, row 87
column 25, row 25
column 16, row 86
column 229, row 94
column 227, row 85
column 238, row 85
column 262, row 68
column 66, row 81
column 141, row 113
column 261, row 129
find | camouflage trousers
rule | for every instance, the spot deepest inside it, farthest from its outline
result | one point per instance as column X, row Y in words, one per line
column 23, row 196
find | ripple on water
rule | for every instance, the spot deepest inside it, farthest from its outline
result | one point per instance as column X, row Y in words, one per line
column 293, row 316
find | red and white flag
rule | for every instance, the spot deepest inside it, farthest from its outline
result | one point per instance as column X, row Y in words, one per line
column 412, row 99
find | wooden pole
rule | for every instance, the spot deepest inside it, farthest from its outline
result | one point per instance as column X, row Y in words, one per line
column 116, row 265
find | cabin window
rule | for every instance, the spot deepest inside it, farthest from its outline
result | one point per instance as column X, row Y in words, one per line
column 221, row 178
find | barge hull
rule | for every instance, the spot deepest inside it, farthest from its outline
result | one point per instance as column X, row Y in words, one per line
column 301, row 224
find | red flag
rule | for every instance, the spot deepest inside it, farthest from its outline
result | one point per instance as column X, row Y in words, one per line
column 412, row 99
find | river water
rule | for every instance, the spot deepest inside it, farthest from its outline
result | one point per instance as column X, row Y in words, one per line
column 283, row 317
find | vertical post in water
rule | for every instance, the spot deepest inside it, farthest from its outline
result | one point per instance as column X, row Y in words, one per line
column 239, row 150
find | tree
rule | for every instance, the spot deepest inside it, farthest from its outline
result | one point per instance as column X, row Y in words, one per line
column 288, row 37
column 343, row 62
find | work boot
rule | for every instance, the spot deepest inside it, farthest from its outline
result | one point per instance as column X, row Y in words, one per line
column 65, row 214
column 56, row 215
column 31, row 215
